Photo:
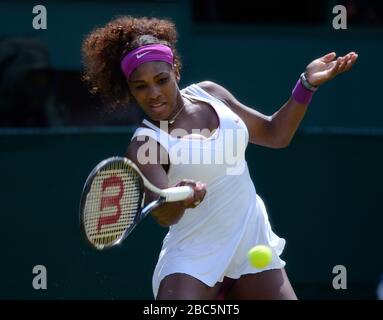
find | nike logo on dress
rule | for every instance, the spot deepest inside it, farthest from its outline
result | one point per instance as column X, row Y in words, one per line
column 141, row 55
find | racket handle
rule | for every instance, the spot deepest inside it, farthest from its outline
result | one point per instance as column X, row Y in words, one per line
column 178, row 193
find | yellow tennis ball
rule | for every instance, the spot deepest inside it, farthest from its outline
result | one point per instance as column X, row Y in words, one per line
column 260, row 256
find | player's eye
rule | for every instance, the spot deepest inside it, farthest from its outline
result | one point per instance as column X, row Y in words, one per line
column 140, row 87
column 163, row 80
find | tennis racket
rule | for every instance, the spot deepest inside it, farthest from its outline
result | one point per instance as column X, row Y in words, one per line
column 112, row 201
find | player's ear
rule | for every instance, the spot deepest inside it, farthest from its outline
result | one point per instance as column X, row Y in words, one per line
column 176, row 73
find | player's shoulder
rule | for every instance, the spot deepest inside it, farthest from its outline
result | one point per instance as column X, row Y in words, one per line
column 139, row 141
column 141, row 144
column 210, row 86
column 133, row 147
column 216, row 90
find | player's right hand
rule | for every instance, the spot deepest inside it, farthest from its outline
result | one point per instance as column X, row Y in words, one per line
column 199, row 189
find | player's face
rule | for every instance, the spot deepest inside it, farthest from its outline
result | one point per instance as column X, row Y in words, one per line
column 154, row 86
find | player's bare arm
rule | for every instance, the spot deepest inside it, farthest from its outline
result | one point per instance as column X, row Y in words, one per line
column 277, row 131
column 169, row 212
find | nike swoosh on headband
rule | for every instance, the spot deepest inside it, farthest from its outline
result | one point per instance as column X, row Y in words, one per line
column 158, row 52
column 142, row 54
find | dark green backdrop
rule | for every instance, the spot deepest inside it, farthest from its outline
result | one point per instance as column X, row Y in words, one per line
column 323, row 195
column 323, row 192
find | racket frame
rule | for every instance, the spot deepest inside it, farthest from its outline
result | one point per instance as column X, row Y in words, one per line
column 165, row 195
column 88, row 183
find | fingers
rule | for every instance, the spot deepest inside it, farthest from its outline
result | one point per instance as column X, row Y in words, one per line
column 344, row 63
column 199, row 194
column 199, row 189
column 335, row 68
column 347, row 62
column 185, row 182
column 351, row 61
column 329, row 57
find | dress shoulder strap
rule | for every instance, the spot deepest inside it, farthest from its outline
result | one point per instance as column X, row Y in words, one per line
column 195, row 91
column 154, row 133
column 150, row 125
column 144, row 132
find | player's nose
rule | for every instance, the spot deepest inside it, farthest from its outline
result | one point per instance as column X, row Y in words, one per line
column 154, row 93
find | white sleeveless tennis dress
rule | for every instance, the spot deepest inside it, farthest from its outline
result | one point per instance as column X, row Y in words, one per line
column 211, row 241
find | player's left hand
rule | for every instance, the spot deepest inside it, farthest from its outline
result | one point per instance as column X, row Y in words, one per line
column 327, row 67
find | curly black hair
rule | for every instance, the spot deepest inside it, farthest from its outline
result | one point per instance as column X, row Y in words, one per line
column 104, row 48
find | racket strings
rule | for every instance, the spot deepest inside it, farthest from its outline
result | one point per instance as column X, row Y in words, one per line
column 112, row 203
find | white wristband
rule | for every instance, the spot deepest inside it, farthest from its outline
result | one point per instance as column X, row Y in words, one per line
column 307, row 84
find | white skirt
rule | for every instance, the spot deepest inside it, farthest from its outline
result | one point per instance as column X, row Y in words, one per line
column 211, row 261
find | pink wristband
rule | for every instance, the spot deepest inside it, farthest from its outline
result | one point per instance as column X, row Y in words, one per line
column 300, row 94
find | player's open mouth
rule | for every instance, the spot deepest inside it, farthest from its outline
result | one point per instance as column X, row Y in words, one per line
column 158, row 107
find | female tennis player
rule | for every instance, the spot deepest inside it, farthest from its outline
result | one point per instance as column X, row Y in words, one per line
column 134, row 60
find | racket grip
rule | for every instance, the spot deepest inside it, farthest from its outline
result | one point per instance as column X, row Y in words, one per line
column 178, row 193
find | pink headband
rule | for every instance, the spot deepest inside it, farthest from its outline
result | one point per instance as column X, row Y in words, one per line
column 150, row 52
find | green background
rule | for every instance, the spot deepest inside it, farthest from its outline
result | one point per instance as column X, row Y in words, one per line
column 323, row 192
